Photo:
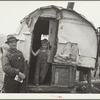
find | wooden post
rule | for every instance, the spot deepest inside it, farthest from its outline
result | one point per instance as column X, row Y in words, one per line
column 81, row 76
column 89, row 80
column 98, row 49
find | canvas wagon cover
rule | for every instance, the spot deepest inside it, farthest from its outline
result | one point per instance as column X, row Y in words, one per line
column 72, row 27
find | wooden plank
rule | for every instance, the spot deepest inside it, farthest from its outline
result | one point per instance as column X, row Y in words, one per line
column 53, row 74
column 89, row 79
column 47, row 89
column 52, row 38
column 63, row 75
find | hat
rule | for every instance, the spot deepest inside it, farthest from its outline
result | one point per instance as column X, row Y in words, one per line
column 44, row 37
column 11, row 38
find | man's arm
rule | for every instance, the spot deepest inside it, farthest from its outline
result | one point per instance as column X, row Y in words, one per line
column 24, row 74
column 7, row 67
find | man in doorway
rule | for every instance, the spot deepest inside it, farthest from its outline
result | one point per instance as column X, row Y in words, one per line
column 14, row 67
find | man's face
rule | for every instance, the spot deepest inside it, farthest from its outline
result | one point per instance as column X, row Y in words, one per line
column 13, row 44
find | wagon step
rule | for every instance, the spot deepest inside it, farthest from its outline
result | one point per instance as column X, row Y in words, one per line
column 48, row 89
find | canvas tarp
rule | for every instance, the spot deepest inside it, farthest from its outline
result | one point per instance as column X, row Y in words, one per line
column 66, row 53
column 24, row 32
column 84, row 36
column 72, row 28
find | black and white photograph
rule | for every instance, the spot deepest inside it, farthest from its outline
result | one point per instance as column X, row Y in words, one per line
column 50, row 47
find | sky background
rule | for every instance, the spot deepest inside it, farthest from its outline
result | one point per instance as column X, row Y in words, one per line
column 11, row 12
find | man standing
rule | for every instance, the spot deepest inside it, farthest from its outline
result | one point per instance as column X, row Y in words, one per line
column 14, row 67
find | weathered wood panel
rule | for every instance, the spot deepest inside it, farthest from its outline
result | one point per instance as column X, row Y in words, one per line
column 63, row 75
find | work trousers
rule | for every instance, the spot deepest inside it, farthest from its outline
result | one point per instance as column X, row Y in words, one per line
column 40, row 72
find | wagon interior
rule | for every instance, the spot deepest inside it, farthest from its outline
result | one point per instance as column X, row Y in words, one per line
column 41, row 28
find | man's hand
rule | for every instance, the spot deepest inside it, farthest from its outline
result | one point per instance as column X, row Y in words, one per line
column 21, row 75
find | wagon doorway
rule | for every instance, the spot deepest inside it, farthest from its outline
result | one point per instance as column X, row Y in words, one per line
column 43, row 28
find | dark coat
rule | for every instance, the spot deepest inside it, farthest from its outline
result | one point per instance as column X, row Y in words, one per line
column 13, row 62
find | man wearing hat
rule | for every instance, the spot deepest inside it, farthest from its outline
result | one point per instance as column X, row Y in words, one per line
column 14, row 67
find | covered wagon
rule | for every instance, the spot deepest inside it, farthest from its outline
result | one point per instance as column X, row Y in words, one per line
column 73, row 40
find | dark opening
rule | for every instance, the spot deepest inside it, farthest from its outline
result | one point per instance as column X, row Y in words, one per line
column 41, row 27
